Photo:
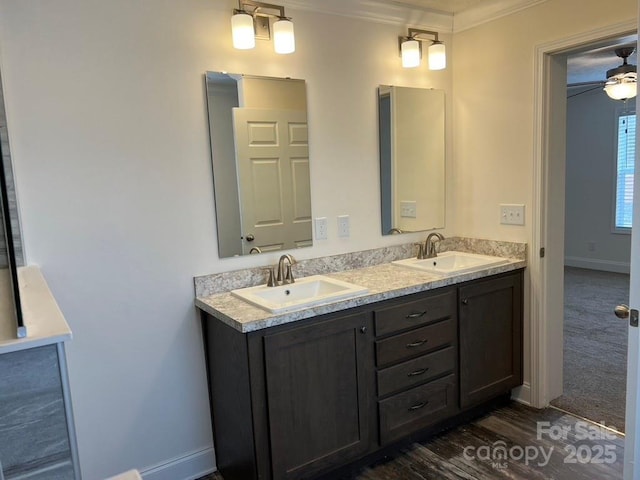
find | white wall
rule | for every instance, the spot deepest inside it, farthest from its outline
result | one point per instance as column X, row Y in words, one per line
column 108, row 123
column 590, row 183
column 493, row 91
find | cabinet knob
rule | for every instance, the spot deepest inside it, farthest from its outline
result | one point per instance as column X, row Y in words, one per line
column 465, row 301
column 363, row 329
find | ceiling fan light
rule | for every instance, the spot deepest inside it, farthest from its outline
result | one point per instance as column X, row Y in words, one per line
column 621, row 90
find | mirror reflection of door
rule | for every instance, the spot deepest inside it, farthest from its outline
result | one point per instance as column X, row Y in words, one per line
column 272, row 157
column 271, row 183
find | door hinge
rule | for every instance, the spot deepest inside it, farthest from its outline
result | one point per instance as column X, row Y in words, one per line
column 542, row 251
column 633, row 317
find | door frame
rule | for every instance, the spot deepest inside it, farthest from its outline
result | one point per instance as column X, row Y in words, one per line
column 548, row 225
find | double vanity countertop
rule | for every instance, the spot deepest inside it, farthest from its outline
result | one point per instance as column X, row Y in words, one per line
column 383, row 280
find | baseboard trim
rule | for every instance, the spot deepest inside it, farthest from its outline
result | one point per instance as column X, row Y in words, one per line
column 522, row 394
column 597, row 264
column 187, row 467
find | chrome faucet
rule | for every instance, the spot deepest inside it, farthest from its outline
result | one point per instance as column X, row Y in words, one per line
column 285, row 276
column 430, row 245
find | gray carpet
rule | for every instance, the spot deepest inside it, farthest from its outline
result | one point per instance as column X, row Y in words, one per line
column 595, row 346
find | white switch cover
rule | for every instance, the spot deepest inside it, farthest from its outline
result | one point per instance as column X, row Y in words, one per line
column 343, row 225
column 512, row 214
column 321, row 228
column 408, row 209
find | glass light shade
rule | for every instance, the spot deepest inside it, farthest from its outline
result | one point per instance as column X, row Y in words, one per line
column 244, row 36
column 621, row 90
column 283, row 39
column 410, row 53
column 437, row 56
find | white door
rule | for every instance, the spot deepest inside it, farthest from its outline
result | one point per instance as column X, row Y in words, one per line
column 632, row 426
column 272, row 155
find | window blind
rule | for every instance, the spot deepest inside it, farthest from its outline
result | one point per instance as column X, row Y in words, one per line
column 625, row 170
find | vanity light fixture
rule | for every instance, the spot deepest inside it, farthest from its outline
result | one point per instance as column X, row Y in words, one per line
column 621, row 81
column 251, row 21
column 411, row 45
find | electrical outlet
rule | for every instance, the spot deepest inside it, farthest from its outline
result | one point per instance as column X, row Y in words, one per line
column 512, row 214
column 343, row 225
column 321, row 228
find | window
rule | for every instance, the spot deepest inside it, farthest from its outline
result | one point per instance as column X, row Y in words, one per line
column 624, row 171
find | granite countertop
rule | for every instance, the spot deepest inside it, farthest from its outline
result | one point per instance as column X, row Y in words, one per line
column 384, row 281
column 41, row 315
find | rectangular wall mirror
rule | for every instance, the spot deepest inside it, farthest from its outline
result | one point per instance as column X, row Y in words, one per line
column 260, row 156
column 412, row 158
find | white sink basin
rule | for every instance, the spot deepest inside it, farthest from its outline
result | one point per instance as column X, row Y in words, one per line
column 452, row 263
column 305, row 292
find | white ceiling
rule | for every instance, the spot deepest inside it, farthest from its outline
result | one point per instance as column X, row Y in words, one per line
column 592, row 65
column 450, row 6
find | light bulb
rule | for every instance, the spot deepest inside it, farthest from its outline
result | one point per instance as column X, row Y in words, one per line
column 410, row 53
column 244, row 36
column 621, row 91
column 283, row 39
column 437, row 56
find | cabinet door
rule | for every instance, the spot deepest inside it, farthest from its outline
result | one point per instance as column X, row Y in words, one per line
column 490, row 338
column 320, row 394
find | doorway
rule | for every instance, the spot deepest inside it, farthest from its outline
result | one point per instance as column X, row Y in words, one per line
column 600, row 154
column 547, row 264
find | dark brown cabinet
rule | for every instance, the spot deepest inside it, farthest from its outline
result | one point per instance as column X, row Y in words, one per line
column 490, row 317
column 320, row 391
column 292, row 401
column 300, row 400
column 416, row 360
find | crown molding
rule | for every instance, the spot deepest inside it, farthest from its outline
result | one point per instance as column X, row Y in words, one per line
column 378, row 11
column 486, row 12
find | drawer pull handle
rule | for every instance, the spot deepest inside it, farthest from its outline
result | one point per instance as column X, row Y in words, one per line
column 417, row 344
column 411, row 316
column 418, row 406
column 415, row 373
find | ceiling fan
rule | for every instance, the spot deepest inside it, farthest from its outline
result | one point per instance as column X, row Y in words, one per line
column 621, row 83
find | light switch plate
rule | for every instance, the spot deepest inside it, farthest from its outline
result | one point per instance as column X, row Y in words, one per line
column 512, row 214
column 408, row 209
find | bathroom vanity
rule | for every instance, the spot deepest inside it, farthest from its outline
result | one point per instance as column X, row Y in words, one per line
column 296, row 397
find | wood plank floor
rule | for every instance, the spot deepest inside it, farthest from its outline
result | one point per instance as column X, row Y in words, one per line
column 540, row 444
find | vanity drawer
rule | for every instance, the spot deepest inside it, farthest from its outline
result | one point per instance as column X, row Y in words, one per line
column 417, row 408
column 412, row 314
column 416, row 371
column 415, row 342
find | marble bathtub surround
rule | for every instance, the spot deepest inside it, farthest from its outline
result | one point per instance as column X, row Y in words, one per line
column 383, row 281
column 33, row 424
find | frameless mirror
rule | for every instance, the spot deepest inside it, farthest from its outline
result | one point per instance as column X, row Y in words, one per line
column 260, row 156
column 412, row 158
